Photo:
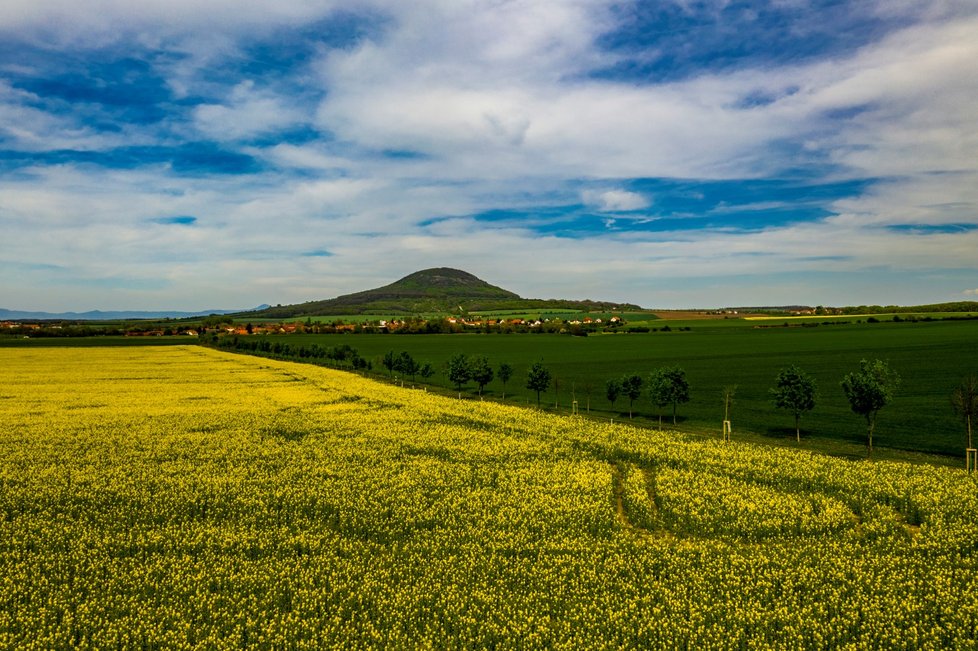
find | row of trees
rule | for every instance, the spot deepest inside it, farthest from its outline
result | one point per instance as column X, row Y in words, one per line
column 867, row 390
column 666, row 386
column 342, row 356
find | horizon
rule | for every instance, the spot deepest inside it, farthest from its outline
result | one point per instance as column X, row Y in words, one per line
column 223, row 310
column 669, row 154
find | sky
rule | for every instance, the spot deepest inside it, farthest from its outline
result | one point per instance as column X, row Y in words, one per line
column 221, row 154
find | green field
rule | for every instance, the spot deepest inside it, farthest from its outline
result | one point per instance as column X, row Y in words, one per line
column 931, row 358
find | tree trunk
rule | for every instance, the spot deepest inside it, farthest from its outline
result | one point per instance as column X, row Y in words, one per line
column 797, row 429
column 673, row 413
column 871, row 423
column 969, row 431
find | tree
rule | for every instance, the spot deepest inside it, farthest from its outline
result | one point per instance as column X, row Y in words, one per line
column 728, row 394
column 795, row 391
column 538, row 379
column 964, row 400
column 668, row 385
column 407, row 365
column 588, row 388
column 612, row 389
column 631, row 386
column 459, row 372
column 426, row 371
column 482, row 373
column 659, row 390
column 869, row 390
column 389, row 362
column 504, row 372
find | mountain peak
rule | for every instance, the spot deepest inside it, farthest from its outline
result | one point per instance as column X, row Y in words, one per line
column 439, row 290
column 444, row 280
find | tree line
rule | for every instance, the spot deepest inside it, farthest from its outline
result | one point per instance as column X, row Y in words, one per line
column 867, row 390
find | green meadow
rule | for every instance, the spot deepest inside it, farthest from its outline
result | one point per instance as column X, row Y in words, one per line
column 931, row 358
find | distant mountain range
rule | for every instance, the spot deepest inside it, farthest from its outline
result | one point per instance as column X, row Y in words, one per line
column 439, row 290
column 98, row 315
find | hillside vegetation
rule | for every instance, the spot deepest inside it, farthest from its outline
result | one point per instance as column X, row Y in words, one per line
column 440, row 291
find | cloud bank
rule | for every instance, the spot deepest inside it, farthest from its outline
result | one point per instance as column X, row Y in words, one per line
column 670, row 154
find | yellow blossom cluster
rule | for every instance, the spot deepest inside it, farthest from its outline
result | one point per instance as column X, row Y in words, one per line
column 185, row 498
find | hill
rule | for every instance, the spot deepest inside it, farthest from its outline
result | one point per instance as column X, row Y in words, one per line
column 438, row 290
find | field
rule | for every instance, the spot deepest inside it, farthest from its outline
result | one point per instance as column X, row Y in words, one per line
column 931, row 358
column 180, row 497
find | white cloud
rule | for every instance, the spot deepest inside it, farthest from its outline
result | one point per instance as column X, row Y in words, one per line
column 614, row 200
column 247, row 113
column 101, row 22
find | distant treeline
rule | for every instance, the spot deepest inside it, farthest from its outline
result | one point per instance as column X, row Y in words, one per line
column 958, row 306
column 419, row 326
column 342, row 356
column 66, row 330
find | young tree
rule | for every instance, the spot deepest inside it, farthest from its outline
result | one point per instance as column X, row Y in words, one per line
column 869, row 390
column 504, row 372
column 588, row 388
column 795, row 391
column 459, row 372
column 612, row 389
column 482, row 373
column 407, row 365
column 728, row 394
column 668, row 385
column 631, row 386
column 389, row 362
column 538, row 379
column 358, row 362
column 964, row 400
column 426, row 371
column 659, row 388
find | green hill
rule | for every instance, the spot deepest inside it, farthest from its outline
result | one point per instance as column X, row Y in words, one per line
column 440, row 290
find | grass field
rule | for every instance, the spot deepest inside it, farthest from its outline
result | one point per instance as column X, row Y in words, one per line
column 931, row 358
column 184, row 498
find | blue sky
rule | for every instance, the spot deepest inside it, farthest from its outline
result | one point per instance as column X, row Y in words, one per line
column 195, row 154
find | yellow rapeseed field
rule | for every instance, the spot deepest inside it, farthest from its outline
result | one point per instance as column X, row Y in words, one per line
column 185, row 498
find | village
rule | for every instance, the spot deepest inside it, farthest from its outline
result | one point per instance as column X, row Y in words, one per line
column 226, row 326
